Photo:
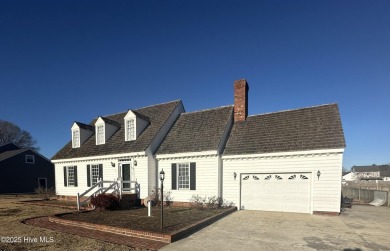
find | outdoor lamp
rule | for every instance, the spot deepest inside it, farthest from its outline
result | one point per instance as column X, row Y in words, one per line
column 162, row 175
column 318, row 174
column 235, row 175
column 135, row 163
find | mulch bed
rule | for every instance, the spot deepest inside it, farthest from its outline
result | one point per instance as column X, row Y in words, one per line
column 175, row 218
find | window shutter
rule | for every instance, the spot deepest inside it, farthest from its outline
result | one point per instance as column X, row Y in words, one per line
column 174, row 176
column 65, row 177
column 192, row 176
column 101, row 171
column 75, row 176
column 88, row 175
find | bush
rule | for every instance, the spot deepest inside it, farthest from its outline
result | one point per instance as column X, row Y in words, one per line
column 105, row 202
column 155, row 195
column 45, row 193
column 208, row 203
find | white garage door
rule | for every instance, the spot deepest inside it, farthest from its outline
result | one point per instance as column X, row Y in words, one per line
column 283, row 192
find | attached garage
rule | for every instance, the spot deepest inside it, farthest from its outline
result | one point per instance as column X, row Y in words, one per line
column 283, row 192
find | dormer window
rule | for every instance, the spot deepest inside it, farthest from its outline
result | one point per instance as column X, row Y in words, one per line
column 130, row 129
column 76, row 139
column 100, row 135
column 105, row 128
column 135, row 123
column 80, row 133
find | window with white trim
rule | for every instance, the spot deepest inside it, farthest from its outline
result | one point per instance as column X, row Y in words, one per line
column 71, row 176
column 130, row 129
column 94, row 174
column 30, row 159
column 100, row 135
column 183, row 176
column 76, row 138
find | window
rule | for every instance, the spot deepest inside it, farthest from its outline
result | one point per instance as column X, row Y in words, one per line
column 130, row 129
column 94, row 174
column 70, row 176
column 76, row 138
column 30, row 159
column 184, row 176
column 100, row 135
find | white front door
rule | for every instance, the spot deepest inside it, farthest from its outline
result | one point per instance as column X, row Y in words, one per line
column 283, row 192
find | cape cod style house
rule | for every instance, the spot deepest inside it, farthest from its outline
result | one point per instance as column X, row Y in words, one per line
column 287, row 161
column 116, row 149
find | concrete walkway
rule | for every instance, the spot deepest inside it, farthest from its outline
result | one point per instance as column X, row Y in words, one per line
column 359, row 228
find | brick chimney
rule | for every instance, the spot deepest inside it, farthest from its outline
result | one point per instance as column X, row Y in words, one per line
column 240, row 100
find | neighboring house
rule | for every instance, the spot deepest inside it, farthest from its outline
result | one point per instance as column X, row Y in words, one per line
column 119, row 146
column 23, row 170
column 350, row 176
column 371, row 172
column 284, row 161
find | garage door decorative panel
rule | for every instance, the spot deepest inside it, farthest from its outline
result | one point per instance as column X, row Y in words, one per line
column 284, row 192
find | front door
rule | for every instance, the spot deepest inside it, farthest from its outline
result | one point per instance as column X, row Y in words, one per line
column 126, row 177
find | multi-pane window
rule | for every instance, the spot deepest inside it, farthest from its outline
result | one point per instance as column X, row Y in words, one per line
column 100, row 135
column 76, row 138
column 94, row 174
column 30, row 159
column 71, row 176
column 183, row 176
column 130, row 129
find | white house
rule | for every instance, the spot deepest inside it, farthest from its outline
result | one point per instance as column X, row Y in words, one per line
column 288, row 161
column 115, row 147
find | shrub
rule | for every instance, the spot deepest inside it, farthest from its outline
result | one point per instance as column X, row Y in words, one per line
column 208, row 203
column 105, row 202
column 156, row 196
column 45, row 193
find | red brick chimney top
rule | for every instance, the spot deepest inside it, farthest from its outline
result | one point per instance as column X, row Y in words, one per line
column 241, row 89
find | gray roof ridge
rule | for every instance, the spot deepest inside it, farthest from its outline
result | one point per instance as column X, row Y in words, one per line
column 290, row 110
column 117, row 113
column 208, row 109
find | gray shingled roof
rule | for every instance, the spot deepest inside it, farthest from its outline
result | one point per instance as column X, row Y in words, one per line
column 294, row 130
column 197, row 131
column 85, row 126
column 157, row 115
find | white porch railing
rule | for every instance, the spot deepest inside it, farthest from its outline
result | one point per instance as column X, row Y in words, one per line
column 115, row 186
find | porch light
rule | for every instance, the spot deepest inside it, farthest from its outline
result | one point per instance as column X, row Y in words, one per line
column 135, row 163
column 318, row 174
column 112, row 164
column 235, row 175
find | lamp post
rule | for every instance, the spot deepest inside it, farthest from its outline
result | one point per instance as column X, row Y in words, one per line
column 162, row 176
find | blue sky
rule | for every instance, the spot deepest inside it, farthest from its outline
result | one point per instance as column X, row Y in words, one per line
column 65, row 61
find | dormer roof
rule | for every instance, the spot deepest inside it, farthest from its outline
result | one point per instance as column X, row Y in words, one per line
column 157, row 116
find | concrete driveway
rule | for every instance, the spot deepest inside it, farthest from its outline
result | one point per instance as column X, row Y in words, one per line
column 359, row 228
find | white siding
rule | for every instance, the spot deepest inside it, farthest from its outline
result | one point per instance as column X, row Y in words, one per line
column 152, row 172
column 141, row 175
column 110, row 173
column 326, row 190
column 206, row 177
